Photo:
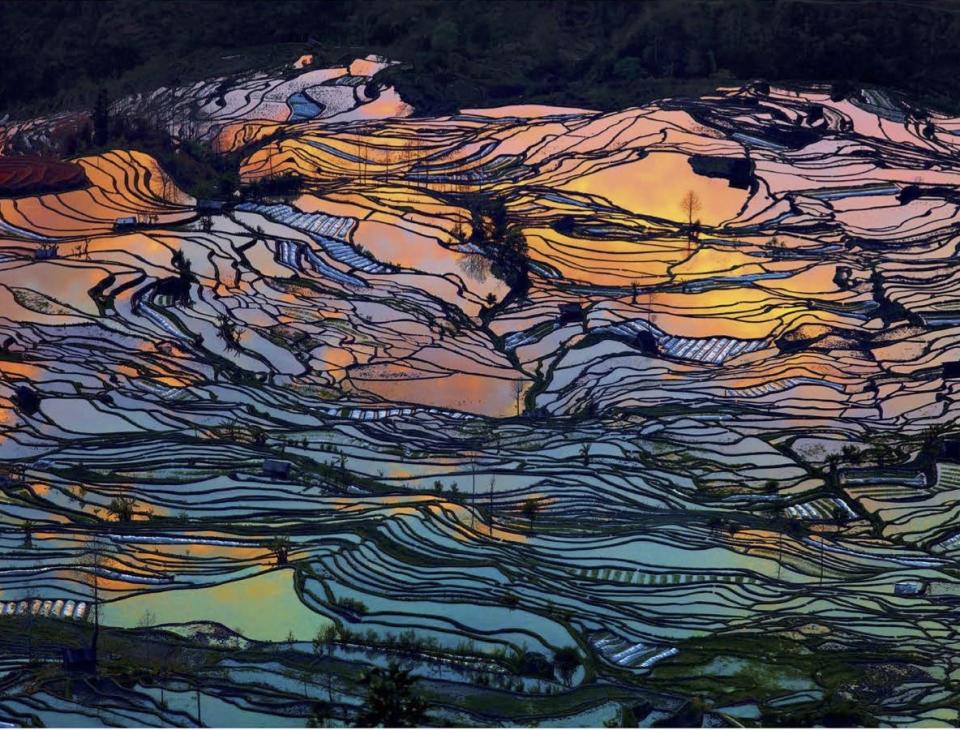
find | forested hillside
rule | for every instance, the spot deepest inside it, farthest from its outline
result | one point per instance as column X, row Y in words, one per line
column 459, row 53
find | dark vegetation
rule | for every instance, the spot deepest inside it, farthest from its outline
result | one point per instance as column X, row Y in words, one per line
column 390, row 699
column 852, row 683
column 192, row 165
column 604, row 54
column 499, row 238
column 157, row 659
column 35, row 175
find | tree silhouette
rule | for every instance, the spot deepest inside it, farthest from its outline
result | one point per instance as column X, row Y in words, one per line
column 229, row 333
column 30, row 621
column 121, row 508
column 185, row 275
column 493, row 482
column 932, row 441
column 821, row 555
column 319, row 714
column 518, row 391
column 89, row 572
column 690, row 205
column 882, row 453
column 325, row 640
column 280, row 547
column 530, row 509
column 851, row 454
column 390, row 700
column 565, row 662
column 101, row 119
column 833, row 460
column 323, row 644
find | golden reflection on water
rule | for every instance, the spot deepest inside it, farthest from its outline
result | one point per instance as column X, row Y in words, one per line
column 655, row 186
column 708, row 261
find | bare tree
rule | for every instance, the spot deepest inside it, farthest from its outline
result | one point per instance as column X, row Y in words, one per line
column 690, row 204
column 325, row 641
column 89, row 570
column 473, row 489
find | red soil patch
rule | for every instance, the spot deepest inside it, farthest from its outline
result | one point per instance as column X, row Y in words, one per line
column 35, row 175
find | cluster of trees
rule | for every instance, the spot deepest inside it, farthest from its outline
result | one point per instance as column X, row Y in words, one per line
column 566, row 660
column 390, row 700
column 190, row 164
column 597, row 53
column 501, row 240
column 886, row 449
column 281, row 185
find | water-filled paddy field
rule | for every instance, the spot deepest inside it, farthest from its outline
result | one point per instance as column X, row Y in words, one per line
column 671, row 386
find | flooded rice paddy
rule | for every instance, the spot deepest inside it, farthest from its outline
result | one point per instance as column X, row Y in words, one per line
column 709, row 427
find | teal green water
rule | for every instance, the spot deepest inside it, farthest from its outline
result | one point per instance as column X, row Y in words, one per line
column 264, row 608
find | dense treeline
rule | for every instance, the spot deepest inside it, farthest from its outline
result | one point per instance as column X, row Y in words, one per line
column 192, row 165
column 598, row 53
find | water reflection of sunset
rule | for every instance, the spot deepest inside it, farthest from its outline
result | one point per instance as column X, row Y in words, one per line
column 655, row 186
column 583, row 444
column 462, row 391
column 730, row 312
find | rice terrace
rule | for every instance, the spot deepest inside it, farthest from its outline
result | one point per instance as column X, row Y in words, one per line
column 443, row 364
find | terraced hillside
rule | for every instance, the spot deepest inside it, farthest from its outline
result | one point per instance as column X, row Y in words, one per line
column 583, row 417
